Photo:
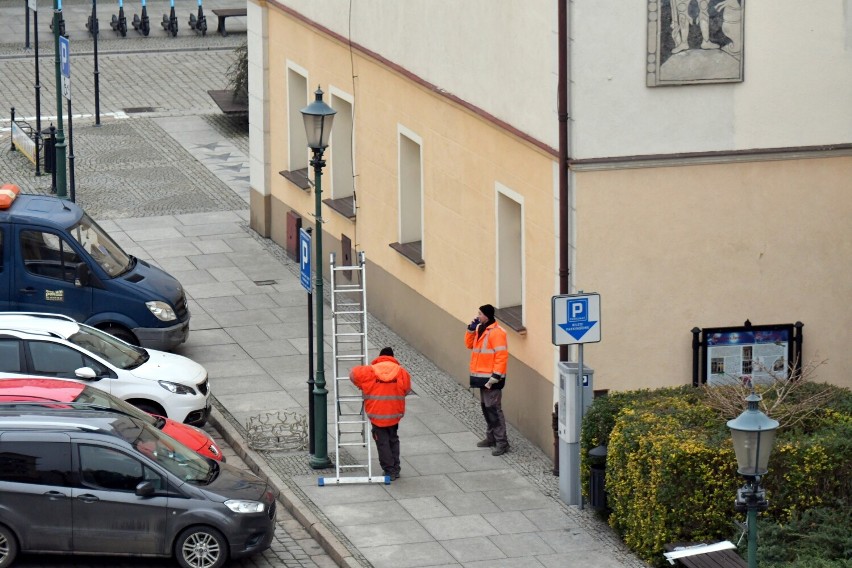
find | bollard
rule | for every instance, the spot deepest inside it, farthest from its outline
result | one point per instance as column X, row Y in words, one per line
column 50, row 158
column 12, row 124
column 555, row 426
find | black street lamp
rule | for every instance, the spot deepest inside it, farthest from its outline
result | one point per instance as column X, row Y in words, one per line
column 753, row 435
column 318, row 119
column 59, row 147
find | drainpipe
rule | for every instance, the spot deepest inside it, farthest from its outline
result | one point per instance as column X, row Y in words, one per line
column 563, row 113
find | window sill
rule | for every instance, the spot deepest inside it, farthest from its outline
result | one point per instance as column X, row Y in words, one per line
column 299, row 178
column 344, row 206
column 412, row 251
column 513, row 317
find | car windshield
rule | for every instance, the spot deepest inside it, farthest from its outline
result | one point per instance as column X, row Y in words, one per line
column 116, row 352
column 101, row 247
column 172, row 455
column 97, row 397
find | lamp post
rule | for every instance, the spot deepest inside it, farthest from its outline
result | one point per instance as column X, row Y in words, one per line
column 753, row 434
column 318, row 119
column 59, row 163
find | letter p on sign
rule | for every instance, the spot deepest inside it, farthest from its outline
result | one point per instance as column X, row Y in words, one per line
column 578, row 309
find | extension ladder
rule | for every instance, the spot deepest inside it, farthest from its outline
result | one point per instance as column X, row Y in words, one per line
column 349, row 349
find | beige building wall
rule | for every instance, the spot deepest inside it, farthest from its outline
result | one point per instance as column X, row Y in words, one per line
column 466, row 157
column 672, row 248
column 707, row 240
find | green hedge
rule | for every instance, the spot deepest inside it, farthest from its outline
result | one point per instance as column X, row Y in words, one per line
column 671, row 470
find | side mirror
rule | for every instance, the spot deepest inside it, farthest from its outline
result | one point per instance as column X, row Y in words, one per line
column 82, row 275
column 145, row 489
column 86, row 373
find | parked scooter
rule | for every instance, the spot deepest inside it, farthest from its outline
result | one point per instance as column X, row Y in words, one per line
column 170, row 23
column 143, row 24
column 119, row 23
column 199, row 23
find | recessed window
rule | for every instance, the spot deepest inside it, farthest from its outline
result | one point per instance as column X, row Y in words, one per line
column 510, row 258
column 342, row 154
column 297, row 99
column 410, row 198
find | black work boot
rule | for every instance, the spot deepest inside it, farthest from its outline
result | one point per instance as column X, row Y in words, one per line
column 499, row 450
column 486, row 443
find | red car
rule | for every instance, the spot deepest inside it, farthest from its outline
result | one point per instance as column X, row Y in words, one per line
column 57, row 390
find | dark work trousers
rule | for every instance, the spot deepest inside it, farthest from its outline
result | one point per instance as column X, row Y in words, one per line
column 492, row 410
column 387, row 442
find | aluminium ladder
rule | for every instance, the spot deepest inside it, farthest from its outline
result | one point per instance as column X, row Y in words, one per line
column 349, row 349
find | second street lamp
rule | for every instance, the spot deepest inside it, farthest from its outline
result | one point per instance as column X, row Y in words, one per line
column 318, row 119
column 753, row 434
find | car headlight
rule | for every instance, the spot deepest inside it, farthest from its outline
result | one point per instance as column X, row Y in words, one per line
column 239, row 506
column 161, row 310
column 176, row 388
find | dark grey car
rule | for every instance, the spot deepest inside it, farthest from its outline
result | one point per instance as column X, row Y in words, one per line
column 95, row 482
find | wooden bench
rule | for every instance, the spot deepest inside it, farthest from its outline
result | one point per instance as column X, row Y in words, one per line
column 223, row 14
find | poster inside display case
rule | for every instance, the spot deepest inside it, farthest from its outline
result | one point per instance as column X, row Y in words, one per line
column 750, row 354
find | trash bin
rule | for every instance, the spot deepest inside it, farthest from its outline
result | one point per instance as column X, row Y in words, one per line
column 48, row 150
column 597, row 480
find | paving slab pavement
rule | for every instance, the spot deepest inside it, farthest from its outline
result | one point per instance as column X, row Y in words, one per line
column 454, row 505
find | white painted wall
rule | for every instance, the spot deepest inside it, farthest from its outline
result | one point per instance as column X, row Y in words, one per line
column 797, row 88
column 501, row 55
column 258, row 102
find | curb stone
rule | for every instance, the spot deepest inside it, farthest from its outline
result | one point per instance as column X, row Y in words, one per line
column 326, row 539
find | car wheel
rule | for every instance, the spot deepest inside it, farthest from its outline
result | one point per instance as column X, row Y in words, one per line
column 149, row 407
column 8, row 547
column 121, row 333
column 201, row 547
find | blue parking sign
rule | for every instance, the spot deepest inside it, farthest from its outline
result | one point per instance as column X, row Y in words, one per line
column 305, row 259
column 576, row 319
column 64, row 56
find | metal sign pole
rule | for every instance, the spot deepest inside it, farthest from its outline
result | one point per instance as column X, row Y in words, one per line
column 578, row 414
column 576, row 321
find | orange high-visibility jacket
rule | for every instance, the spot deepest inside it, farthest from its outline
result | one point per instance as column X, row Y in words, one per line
column 489, row 356
column 384, row 384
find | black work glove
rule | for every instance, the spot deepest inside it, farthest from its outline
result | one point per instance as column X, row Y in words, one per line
column 472, row 326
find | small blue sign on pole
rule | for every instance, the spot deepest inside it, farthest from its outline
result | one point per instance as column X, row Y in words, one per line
column 576, row 319
column 305, row 260
column 65, row 66
column 64, row 59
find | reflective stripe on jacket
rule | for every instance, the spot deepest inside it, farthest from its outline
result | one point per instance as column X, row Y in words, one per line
column 384, row 384
column 489, row 355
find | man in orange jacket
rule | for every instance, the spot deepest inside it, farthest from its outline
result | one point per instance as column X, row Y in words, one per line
column 488, row 359
column 385, row 384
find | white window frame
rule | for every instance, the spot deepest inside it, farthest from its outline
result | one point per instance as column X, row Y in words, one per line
column 415, row 138
column 335, row 93
column 502, row 190
column 296, row 121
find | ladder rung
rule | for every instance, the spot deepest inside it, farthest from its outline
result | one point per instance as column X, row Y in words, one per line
column 353, row 356
column 350, row 444
column 355, row 466
column 352, row 422
column 352, row 334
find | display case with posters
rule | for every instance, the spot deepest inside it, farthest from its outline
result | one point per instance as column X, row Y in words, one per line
column 750, row 354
